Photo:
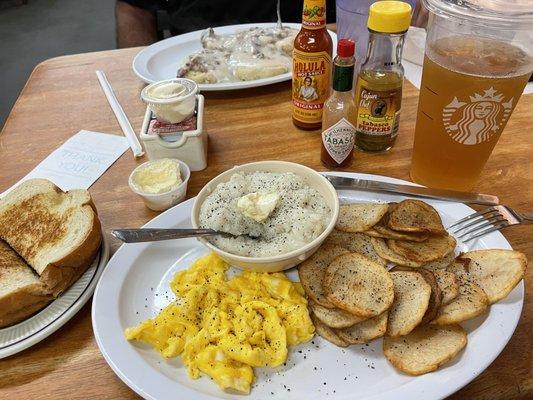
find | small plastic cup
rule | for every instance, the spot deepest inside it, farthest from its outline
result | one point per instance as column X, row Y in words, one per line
column 171, row 109
column 162, row 201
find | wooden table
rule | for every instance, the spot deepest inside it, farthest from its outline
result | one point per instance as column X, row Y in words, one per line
column 62, row 97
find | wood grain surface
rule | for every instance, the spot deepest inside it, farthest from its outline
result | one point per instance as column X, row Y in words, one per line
column 62, row 96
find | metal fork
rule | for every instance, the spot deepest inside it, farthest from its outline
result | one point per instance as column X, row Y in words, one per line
column 489, row 220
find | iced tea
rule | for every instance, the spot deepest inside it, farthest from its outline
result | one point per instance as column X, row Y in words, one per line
column 469, row 89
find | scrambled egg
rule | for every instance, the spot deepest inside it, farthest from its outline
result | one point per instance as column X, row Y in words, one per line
column 224, row 327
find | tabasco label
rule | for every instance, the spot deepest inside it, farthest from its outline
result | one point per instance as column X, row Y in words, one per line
column 310, row 84
column 378, row 113
column 338, row 140
column 314, row 14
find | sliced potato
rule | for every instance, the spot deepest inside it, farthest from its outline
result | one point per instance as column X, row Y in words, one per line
column 415, row 216
column 469, row 303
column 385, row 252
column 424, row 349
column 432, row 249
column 387, row 233
column 356, row 243
column 411, row 300
column 360, row 217
column 358, row 285
column 435, row 300
column 335, row 317
column 372, row 232
column 365, row 331
column 327, row 333
column 441, row 263
column 448, row 285
column 496, row 271
column 311, row 272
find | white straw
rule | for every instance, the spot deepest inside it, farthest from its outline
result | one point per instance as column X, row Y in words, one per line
column 121, row 116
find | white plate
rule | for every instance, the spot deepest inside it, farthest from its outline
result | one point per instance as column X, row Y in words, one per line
column 135, row 286
column 161, row 60
column 16, row 338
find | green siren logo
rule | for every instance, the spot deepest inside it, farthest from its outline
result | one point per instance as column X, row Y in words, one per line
column 478, row 120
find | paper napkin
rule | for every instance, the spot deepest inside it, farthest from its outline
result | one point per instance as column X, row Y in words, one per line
column 80, row 161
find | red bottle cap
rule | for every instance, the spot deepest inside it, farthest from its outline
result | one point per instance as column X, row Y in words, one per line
column 345, row 48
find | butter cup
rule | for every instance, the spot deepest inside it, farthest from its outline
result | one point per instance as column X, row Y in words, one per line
column 165, row 200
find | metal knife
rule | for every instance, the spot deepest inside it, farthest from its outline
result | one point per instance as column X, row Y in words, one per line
column 440, row 194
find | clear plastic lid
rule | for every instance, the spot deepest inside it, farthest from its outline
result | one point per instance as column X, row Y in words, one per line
column 514, row 15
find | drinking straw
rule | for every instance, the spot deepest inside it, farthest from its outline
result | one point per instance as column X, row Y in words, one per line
column 120, row 115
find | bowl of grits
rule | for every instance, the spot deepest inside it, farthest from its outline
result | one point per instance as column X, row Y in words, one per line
column 275, row 214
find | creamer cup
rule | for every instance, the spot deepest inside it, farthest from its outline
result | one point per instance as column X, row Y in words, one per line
column 171, row 100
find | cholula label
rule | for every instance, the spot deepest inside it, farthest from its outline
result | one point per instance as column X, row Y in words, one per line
column 339, row 139
column 310, row 85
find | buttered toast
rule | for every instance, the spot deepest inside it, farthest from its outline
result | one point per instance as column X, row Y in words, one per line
column 57, row 233
column 21, row 291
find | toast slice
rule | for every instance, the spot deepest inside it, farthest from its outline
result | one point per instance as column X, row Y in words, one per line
column 21, row 291
column 58, row 234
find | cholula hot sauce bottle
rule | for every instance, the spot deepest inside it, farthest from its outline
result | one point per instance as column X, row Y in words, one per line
column 311, row 66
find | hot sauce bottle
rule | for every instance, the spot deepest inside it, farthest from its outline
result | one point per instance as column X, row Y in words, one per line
column 311, row 69
column 338, row 116
column 378, row 92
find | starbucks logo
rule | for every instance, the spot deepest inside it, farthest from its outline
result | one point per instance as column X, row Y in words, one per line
column 477, row 120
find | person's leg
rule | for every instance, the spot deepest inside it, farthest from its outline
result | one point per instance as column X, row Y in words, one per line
column 135, row 26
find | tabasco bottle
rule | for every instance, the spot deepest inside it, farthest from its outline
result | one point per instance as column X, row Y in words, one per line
column 311, row 66
column 338, row 116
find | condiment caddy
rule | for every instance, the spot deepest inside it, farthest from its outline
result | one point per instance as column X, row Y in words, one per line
column 186, row 141
column 175, row 142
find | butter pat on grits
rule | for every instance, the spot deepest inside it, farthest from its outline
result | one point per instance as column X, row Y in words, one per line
column 258, row 206
column 224, row 327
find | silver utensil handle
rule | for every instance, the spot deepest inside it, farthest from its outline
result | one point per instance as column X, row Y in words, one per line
column 417, row 191
column 155, row 234
column 527, row 217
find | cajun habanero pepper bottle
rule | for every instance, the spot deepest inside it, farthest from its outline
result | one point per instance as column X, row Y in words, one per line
column 311, row 66
column 378, row 92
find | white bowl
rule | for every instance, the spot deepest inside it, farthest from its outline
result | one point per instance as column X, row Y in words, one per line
column 283, row 261
column 165, row 200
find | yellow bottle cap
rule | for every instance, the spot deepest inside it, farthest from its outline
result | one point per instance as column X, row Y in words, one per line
column 389, row 16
